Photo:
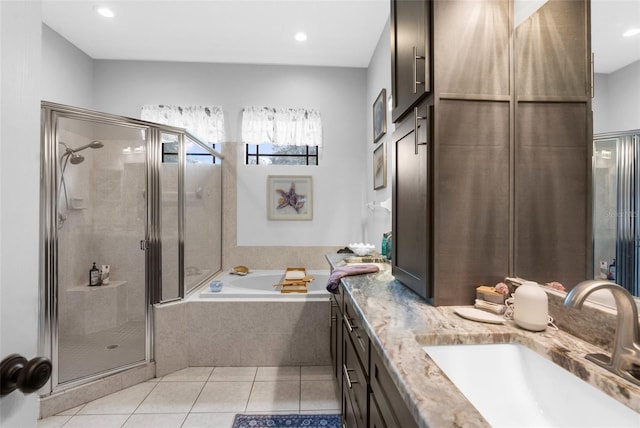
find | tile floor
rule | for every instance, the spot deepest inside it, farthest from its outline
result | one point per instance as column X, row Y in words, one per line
column 208, row 397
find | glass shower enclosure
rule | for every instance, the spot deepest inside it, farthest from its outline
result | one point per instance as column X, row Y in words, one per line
column 126, row 196
column 616, row 208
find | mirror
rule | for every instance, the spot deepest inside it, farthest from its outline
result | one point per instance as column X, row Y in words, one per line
column 616, row 70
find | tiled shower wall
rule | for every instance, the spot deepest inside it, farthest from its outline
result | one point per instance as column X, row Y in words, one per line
column 105, row 223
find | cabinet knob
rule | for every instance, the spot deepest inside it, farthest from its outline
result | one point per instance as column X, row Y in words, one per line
column 27, row 376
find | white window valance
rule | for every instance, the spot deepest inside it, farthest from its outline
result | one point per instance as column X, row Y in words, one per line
column 281, row 127
column 204, row 122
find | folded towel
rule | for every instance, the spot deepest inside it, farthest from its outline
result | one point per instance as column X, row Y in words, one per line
column 341, row 272
column 294, row 274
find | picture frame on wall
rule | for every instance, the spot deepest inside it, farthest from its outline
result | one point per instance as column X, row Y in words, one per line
column 380, row 167
column 379, row 116
column 289, row 197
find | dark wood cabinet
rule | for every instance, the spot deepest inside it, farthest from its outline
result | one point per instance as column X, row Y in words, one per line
column 412, row 204
column 335, row 336
column 451, row 195
column 387, row 408
column 369, row 398
column 410, row 24
column 501, row 185
column 355, row 386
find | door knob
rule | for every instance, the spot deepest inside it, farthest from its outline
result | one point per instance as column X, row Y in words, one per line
column 27, row 376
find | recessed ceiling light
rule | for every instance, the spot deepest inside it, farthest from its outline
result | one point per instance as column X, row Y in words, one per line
column 301, row 37
column 631, row 32
column 105, row 11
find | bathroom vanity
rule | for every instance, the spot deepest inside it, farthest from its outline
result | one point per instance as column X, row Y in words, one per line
column 379, row 329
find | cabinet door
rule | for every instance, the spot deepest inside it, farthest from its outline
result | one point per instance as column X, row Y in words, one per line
column 410, row 53
column 386, row 399
column 355, row 391
column 333, row 336
column 375, row 417
column 411, row 220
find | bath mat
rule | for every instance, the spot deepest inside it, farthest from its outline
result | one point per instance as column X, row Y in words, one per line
column 288, row 421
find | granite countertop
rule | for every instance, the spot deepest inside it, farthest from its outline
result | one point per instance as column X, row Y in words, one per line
column 400, row 323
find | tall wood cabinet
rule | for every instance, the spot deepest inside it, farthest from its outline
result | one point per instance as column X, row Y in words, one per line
column 410, row 24
column 468, row 193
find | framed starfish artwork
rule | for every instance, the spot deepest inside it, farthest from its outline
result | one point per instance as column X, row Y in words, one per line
column 289, row 197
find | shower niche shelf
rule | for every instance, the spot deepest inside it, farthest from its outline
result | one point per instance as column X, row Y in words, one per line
column 97, row 308
column 86, row 287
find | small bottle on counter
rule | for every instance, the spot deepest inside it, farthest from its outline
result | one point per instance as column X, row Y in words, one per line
column 383, row 246
column 94, row 276
column 389, row 246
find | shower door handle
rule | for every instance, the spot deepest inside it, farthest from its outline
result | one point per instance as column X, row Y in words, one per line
column 144, row 244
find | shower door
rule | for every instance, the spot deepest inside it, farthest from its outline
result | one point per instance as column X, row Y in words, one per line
column 101, row 218
column 616, row 208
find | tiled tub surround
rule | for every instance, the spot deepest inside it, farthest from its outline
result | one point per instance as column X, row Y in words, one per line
column 240, row 332
column 399, row 324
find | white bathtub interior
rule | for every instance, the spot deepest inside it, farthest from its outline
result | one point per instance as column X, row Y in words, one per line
column 260, row 284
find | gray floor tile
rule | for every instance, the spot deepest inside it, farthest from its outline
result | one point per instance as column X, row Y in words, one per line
column 209, row 420
column 190, row 374
column 233, row 374
column 96, row 421
column 118, row 403
column 170, row 420
column 318, row 395
column 278, row 373
column 223, row 397
column 274, row 396
column 53, row 421
column 171, row 397
column 316, row 373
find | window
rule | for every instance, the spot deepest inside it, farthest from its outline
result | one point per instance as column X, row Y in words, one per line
column 269, row 154
column 195, row 153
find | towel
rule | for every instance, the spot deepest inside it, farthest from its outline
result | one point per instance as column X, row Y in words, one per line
column 341, row 272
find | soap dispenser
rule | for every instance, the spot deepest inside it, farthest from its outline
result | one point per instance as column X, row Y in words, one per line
column 531, row 307
column 94, row 276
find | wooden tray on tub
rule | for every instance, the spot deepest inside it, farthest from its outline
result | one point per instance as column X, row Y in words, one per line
column 295, row 280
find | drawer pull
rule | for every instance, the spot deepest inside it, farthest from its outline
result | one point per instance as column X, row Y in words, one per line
column 416, row 118
column 346, row 371
column 348, row 322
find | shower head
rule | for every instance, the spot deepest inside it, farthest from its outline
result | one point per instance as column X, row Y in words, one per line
column 92, row 145
column 75, row 159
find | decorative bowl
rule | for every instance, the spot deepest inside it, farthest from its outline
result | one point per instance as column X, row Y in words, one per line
column 361, row 249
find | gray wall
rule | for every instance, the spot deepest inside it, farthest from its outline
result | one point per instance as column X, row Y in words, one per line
column 67, row 75
column 340, row 94
column 378, row 220
column 20, row 24
column 615, row 105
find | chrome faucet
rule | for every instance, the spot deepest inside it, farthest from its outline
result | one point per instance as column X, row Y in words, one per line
column 625, row 358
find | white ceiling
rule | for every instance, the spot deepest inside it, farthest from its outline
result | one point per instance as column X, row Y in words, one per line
column 609, row 20
column 341, row 32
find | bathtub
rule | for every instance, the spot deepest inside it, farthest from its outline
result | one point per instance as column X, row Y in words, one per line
column 258, row 285
column 248, row 323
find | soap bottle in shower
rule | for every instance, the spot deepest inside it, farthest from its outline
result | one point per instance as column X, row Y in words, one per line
column 94, row 276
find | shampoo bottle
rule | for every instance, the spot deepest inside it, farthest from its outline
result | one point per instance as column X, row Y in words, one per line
column 612, row 270
column 94, row 276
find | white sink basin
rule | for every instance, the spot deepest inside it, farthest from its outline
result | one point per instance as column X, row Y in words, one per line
column 511, row 385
